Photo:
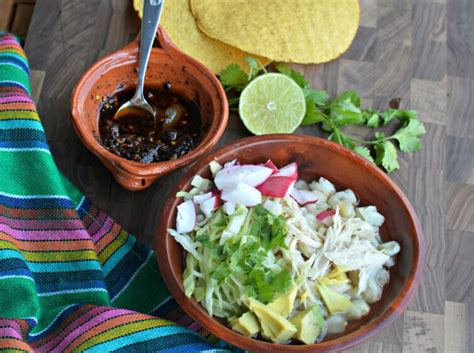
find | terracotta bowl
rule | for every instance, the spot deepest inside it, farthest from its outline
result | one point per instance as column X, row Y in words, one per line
column 315, row 157
column 117, row 72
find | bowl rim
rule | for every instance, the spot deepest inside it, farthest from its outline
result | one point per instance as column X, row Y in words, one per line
column 191, row 307
column 123, row 56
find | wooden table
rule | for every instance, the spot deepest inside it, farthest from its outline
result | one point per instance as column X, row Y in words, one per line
column 421, row 51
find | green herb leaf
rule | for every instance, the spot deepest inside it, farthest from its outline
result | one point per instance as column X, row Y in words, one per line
column 371, row 118
column 373, row 121
column 364, row 152
column 342, row 139
column 279, row 232
column 379, row 135
column 386, row 156
column 345, row 112
column 408, row 136
column 313, row 114
column 390, row 114
column 407, row 115
column 254, row 67
column 351, row 95
column 261, row 285
column 250, row 292
column 318, row 97
column 282, row 281
column 221, row 272
column 253, row 63
column 266, row 285
column 233, row 76
column 295, row 75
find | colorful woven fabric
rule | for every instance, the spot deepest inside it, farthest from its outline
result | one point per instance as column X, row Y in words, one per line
column 71, row 279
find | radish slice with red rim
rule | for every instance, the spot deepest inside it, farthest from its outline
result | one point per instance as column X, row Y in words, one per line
column 321, row 216
column 277, row 186
column 249, row 174
column 303, row 197
column 209, row 205
column 290, row 170
column 198, row 199
column 271, row 165
column 242, row 194
column 231, row 163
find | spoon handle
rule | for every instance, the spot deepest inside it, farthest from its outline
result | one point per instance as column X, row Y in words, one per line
column 151, row 18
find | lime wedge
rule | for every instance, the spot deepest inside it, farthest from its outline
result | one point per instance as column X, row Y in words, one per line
column 272, row 103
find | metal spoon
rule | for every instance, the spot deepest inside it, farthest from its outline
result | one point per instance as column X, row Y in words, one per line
column 138, row 106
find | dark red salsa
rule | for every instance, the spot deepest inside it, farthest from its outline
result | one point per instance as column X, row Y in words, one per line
column 177, row 131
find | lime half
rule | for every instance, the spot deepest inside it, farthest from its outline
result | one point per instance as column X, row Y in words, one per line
column 272, row 103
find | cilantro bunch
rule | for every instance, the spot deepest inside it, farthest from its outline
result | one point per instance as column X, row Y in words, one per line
column 333, row 115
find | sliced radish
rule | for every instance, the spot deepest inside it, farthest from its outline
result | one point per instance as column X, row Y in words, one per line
column 324, row 214
column 199, row 199
column 231, row 163
column 242, row 194
column 271, row 165
column 290, row 170
column 229, row 208
column 186, row 218
column 249, row 174
column 303, row 197
column 209, row 205
column 277, row 186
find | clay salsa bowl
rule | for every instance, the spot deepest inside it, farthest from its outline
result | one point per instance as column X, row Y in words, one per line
column 315, row 157
column 116, row 72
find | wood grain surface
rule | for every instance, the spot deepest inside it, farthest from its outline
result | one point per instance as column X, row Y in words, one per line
column 419, row 50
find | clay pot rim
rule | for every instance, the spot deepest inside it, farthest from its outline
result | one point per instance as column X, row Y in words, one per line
column 215, row 130
column 365, row 332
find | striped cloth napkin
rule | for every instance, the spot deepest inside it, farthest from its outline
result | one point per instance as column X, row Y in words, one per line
column 71, row 279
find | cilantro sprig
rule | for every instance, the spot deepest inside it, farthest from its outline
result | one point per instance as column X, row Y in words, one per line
column 233, row 78
column 334, row 115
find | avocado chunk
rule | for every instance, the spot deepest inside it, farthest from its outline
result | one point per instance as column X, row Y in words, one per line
column 332, row 281
column 309, row 324
column 246, row 325
column 337, row 271
column 283, row 304
column 335, row 302
column 336, row 276
column 274, row 326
